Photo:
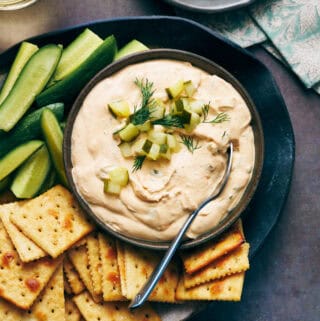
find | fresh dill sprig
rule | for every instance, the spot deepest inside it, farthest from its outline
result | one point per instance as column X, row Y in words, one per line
column 142, row 114
column 137, row 163
column 221, row 117
column 190, row 142
column 169, row 121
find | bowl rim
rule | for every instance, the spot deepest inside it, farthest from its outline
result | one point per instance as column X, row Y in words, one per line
column 199, row 62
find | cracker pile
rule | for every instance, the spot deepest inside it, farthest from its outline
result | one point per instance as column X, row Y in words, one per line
column 55, row 266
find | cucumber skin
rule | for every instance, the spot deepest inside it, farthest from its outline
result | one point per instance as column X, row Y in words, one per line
column 24, row 53
column 30, row 82
column 68, row 88
column 5, row 183
column 53, row 137
column 41, row 155
column 28, row 128
column 10, row 163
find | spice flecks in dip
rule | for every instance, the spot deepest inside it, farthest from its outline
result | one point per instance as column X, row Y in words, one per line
column 160, row 196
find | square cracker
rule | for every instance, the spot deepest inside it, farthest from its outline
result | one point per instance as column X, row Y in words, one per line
column 226, row 289
column 234, row 262
column 73, row 277
column 121, row 266
column 139, row 264
column 110, row 271
column 112, row 311
column 72, row 312
column 195, row 259
column 49, row 305
column 95, row 263
column 21, row 283
column 79, row 258
column 27, row 250
column 53, row 221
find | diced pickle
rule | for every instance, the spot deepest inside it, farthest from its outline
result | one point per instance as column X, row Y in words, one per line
column 189, row 88
column 194, row 122
column 175, row 90
column 164, row 148
column 197, row 106
column 120, row 108
column 125, row 149
column 157, row 137
column 137, row 147
column 111, row 188
column 119, row 175
column 157, row 110
column 154, row 152
column 186, row 117
column 172, row 142
column 147, row 146
column 129, row 133
column 178, row 107
column 145, row 127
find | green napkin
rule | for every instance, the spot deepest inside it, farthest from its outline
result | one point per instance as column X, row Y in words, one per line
column 289, row 29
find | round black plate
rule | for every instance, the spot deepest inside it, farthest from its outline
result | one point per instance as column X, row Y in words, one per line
column 178, row 33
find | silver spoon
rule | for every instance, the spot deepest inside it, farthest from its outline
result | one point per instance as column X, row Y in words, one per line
column 146, row 290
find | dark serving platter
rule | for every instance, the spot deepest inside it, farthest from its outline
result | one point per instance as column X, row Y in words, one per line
column 178, row 33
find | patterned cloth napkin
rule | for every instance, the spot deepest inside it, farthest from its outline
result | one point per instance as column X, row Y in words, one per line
column 289, row 29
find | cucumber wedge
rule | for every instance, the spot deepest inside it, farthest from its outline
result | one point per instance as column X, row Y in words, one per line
column 32, row 174
column 54, row 138
column 17, row 156
column 49, row 182
column 75, row 54
column 131, row 47
column 68, row 88
column 25, row 51
column 28, row 128
column 32, row 79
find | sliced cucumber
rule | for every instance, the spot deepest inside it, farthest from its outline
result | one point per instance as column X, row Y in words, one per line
column 130, row 48
column 68, row 88
column 32, row 174
column 54, row 138
column 27, row 129
column 75, row 54
column 17, row 156
column 5, row 183
column 32, row 79
column 25, row 51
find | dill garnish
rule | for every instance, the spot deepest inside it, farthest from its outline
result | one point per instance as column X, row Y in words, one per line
column 142, row 114
column 221, row 117
column 190, row 143
column 169, row 121
column 138, row 162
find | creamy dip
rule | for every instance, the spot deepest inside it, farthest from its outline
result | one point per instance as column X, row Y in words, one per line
column 161, row 195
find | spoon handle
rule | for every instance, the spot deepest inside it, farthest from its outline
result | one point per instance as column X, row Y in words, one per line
column 146, row 290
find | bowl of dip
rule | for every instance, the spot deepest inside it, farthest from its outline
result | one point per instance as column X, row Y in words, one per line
column 146, row 142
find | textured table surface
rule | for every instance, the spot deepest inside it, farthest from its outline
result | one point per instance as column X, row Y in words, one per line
column 284, row 280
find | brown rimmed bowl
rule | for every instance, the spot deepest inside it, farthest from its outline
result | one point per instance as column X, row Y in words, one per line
column 211, row 68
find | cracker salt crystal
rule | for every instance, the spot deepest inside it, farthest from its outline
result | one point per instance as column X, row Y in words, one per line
column 226, row 289
column 27, row 250
column 72, row 277
column 53, row 221
column 49, row 305
column 195, row 259
column 21, row 283
column 95, row 262
column 79, row 258
column 110, row 271
column 139, row 264
column 112, row 311
column 234, row 262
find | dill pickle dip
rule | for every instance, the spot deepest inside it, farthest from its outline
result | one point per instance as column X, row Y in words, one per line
column 167, row 169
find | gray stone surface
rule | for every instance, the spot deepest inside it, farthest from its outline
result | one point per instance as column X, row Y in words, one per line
column 284, row 280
